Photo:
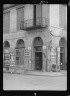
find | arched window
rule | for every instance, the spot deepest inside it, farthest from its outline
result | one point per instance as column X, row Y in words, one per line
column 38, row 44
column 20, row 44
column 20, row 52
column 6, row 44
column 62, row 42
column 38, row 41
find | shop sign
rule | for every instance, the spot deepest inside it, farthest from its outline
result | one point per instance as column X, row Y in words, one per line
column 29, row 61
column 12, row 63
column 53, row 53
column 44, row 47
column 12, row 58
column 29, row 48
column 27, row 53
column 7, row 56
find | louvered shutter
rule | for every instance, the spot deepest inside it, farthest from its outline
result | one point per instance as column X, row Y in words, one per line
column 6, row 22
column 20, row 17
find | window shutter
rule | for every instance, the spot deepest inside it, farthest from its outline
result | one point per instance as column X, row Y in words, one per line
column 6, row 22
column 38, row 14
column 20, row 17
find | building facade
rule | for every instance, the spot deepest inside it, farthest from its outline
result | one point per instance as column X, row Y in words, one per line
column 35, row 37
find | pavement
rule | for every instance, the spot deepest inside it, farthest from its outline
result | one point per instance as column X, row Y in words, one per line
column 36, row 81
column 40, row 73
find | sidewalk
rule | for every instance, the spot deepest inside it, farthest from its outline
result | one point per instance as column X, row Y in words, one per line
column 40, row 73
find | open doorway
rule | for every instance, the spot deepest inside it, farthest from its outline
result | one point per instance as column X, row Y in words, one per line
column 63, row 54
column 20, row 46
column 38, row 53
column 38, row 60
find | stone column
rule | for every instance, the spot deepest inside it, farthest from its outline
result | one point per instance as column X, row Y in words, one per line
column 29, row 60
column 26, row 59
column 53, row 56
column 48, row 63
column 44, row 59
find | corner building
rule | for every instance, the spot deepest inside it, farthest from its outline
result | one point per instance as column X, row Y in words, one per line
column 34, row 37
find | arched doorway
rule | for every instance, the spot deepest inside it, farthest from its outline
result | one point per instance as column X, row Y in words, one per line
column 6, row 55
column 37, row 44
column 63, row 53
column 20, row 52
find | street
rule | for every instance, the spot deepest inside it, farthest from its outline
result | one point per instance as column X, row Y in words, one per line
column 30, row 82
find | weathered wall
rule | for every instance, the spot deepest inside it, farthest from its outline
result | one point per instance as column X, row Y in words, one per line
column 13, row 20
column 54, row 15
column 62, row 16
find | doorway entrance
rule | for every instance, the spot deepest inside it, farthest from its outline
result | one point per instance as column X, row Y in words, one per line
column 38, row 60
column 20, row 52
column 38, row 53
column 62, row 59
column 63, row 54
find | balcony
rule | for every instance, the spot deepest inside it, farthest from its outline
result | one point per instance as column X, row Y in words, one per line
column 7, row 6
column 34, row 24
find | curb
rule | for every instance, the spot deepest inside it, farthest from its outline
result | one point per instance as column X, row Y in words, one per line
column 51, row 75
column 47, row 75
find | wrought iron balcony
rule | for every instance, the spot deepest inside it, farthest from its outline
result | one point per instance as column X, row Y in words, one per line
column 34, row 24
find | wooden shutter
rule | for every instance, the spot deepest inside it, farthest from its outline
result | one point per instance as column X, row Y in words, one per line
column 38, row 14
column 6, row 22
column 38, row 10
column 20, row 17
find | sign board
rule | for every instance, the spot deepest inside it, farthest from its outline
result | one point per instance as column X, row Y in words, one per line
column 44, row 47
column 12, row 58
column 29, row 48
column 12, row 63
column 29, row 61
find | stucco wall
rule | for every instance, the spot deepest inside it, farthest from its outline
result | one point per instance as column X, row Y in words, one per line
column 62, row 16
column 45, row 10
column 13, row 20
column 54, row 15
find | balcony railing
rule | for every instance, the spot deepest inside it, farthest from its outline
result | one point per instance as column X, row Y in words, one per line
column 33, row 24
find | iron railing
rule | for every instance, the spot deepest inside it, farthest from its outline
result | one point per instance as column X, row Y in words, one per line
column 29, row 24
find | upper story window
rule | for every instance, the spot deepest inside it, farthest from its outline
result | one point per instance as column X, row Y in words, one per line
column 63, row 16
column 37, row 14
column 6, row 22
column 20, row 16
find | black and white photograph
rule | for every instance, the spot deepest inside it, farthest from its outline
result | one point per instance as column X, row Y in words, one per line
column 35, row 47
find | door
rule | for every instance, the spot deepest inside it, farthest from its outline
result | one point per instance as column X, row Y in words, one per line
column 63, row 53
column 19, row 56
column 38, row 60
column 62, row 59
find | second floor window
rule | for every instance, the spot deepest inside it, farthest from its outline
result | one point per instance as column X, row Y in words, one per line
column 37, row 14
column 20, row 17
column 6, row 22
